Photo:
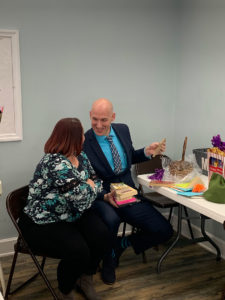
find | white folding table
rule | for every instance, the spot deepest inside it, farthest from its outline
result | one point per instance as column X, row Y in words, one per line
column 205, row 208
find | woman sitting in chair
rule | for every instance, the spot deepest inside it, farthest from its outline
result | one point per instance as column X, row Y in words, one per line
column 58, row 219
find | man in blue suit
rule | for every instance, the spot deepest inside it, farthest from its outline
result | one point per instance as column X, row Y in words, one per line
column 153, row 227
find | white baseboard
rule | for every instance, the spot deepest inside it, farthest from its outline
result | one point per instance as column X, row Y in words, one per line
column 7, row 246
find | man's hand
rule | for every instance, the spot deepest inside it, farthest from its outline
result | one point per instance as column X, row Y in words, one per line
column 110, row 198
column 150, row 150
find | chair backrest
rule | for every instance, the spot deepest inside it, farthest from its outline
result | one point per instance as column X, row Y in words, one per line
column 15, row 202
column 149, row 166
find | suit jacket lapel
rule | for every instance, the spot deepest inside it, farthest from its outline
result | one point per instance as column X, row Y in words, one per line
column 123, row 142
column 99, row 153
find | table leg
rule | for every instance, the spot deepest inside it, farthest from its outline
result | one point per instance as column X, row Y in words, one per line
column 207, row 238
column 179, row 226
column 204, row 237
column 223, row 293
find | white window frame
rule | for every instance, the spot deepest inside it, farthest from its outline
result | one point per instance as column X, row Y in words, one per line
column 16, row 133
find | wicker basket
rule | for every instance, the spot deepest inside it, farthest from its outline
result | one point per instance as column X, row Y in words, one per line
column 180, row 168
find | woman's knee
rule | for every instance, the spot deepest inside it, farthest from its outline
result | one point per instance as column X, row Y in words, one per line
column 102, row 236
column 76, row 248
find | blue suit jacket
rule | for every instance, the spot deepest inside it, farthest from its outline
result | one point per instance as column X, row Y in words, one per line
column 100, row 162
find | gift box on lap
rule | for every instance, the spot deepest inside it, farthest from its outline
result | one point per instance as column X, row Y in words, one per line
column 124, row 194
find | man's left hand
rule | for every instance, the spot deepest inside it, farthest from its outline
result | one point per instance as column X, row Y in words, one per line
column 110, row 198
column 150, row 150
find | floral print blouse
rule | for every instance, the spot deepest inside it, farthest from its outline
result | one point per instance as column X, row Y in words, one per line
column 58, row 191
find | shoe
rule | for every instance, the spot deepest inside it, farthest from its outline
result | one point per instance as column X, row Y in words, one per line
column 70, row 296
column 108, row 269
column 86, row 287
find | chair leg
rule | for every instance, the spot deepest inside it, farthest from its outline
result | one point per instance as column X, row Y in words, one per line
column 40, row 269
column 188, row 222
column 124, row 229
column 170, row 214
column 8, row 292
column 11, row 274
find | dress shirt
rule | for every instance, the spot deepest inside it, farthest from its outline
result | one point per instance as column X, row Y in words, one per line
column 104, row 144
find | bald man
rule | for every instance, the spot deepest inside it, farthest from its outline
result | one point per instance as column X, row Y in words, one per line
column 154, row 228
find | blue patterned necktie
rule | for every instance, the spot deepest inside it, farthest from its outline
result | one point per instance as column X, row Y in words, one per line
column 115, row 155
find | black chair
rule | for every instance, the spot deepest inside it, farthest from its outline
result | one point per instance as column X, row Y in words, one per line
column 15, row 203
column 155, row 198
column 133, row 230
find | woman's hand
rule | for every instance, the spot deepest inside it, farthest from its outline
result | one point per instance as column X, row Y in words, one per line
column 110, row 198
column 91, row 183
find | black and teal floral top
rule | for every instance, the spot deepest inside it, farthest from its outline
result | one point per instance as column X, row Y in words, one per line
column 58, row 190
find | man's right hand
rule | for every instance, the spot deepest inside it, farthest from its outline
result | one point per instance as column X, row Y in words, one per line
column 110, row 198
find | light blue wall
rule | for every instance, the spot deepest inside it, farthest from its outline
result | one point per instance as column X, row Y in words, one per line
column 200, row 102
column 161, row 62
column 73, row 52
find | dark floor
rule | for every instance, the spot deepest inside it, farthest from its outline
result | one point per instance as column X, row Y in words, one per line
column 188, row 273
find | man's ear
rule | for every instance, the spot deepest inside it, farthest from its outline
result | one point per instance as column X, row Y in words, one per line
column 113, row 116
column 90, row 114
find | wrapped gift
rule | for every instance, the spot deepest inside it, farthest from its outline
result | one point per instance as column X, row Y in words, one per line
column 216, row 157
column 216, row 163
column 123, row 191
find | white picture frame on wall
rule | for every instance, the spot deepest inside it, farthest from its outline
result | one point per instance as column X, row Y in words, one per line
column 10, row 87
